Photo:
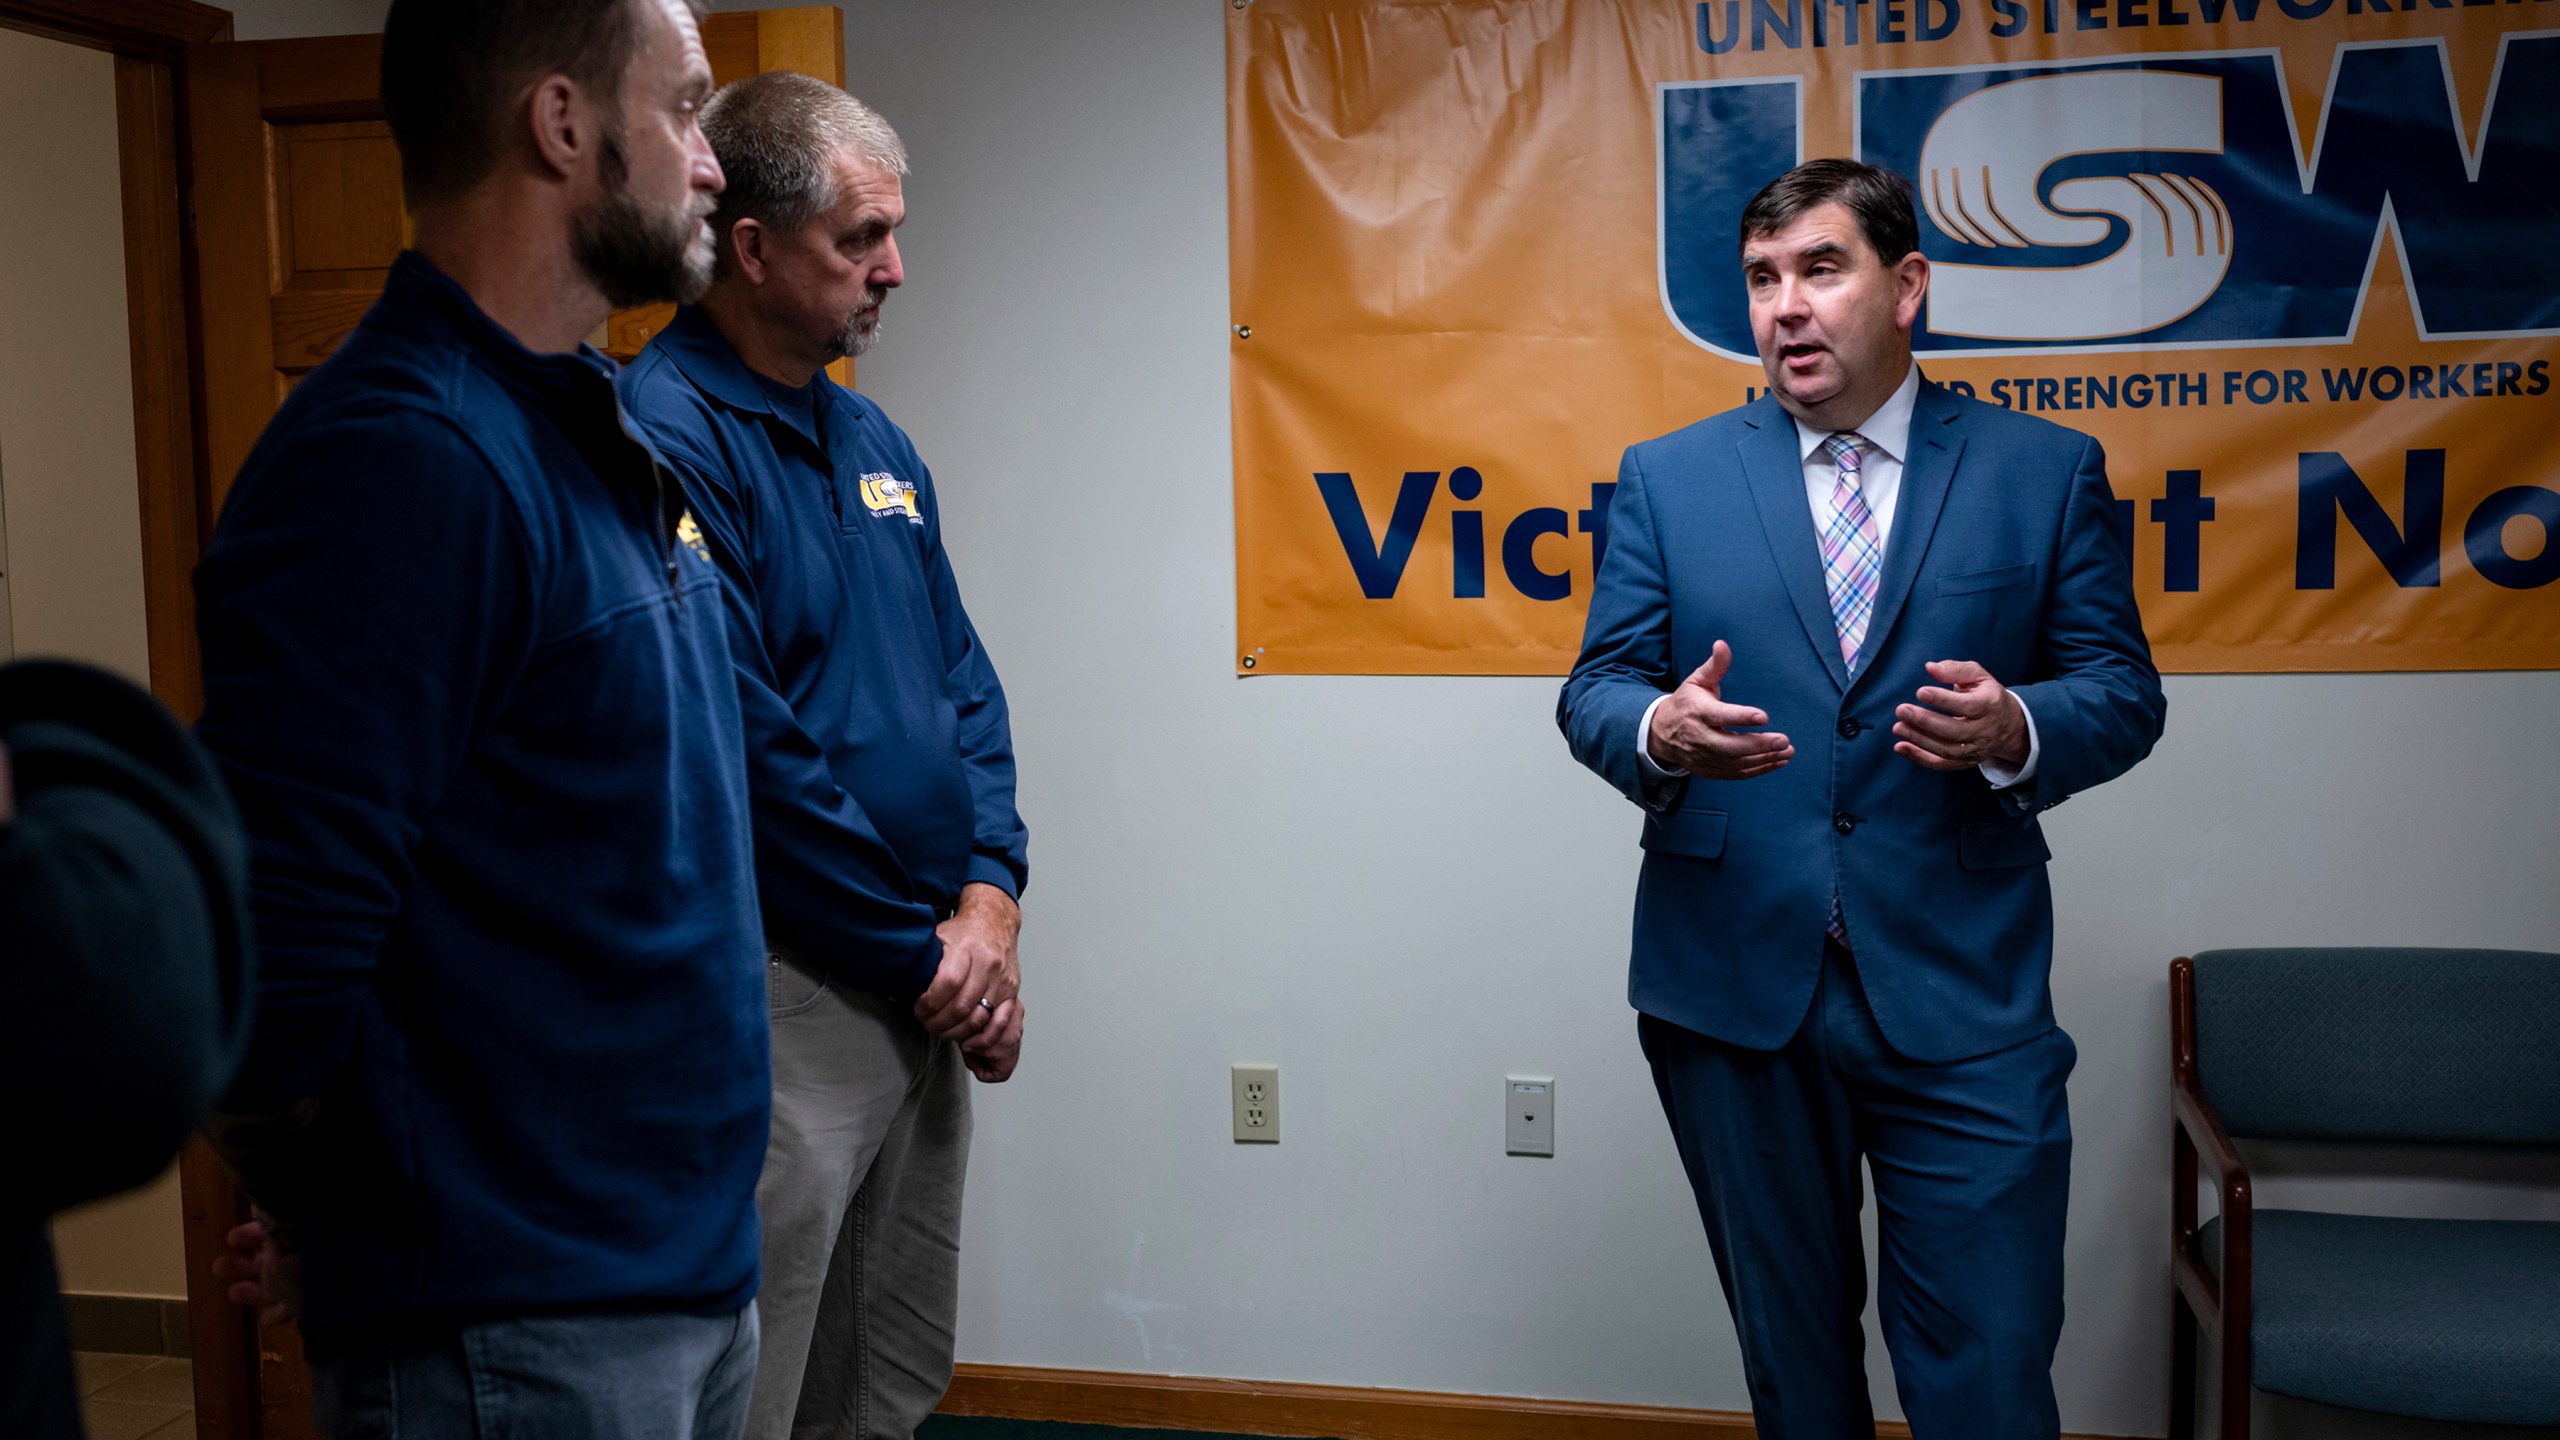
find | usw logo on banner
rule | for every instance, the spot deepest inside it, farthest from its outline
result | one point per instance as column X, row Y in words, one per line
column 2297, row 266
column 2163, row 201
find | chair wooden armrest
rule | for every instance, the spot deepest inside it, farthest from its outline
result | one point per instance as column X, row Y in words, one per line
column 2219, row 1301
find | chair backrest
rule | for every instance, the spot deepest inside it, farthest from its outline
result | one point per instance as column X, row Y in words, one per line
column 2418, row 1045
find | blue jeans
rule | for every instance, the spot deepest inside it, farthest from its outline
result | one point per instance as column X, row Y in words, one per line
column 654, row 1376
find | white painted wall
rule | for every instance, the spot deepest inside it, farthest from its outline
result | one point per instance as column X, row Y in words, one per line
column 66, row 371
column 1400, row 889
column 73, row 533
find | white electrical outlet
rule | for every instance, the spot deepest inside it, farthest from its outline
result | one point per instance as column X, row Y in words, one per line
column 1256, row 1092
column 1529, row 1115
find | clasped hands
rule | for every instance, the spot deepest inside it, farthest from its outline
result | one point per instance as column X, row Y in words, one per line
column 1964, row 720
column 980, row 962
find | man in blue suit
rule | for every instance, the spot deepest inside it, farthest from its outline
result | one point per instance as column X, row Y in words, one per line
column 1842, row 936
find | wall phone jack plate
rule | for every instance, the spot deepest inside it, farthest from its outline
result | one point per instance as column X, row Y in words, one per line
column 1529, row 1115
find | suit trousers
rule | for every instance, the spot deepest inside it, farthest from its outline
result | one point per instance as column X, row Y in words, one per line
column 1971, row 1162
column 861, row 1204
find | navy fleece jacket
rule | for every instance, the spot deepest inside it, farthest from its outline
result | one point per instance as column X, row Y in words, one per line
column 471, row 690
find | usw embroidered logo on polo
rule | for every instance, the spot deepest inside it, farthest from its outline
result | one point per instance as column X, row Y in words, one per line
column 885, row 495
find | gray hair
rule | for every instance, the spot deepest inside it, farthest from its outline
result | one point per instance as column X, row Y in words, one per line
column 777, row 136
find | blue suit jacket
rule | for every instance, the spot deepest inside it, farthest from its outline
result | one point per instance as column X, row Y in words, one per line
column 2004, row 551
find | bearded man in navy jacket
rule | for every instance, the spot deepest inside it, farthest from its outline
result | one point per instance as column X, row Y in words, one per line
column 888, row 850
column 506, row 1099
column 1848, row 643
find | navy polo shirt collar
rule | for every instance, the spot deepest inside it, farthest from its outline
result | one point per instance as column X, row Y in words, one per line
column 707, row 359
column 710, row 362
column 796, row 408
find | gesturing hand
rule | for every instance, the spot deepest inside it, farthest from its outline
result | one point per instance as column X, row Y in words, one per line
column 1694, row 730
column 1972, row 720
column 261, row 1270
column 979, row 962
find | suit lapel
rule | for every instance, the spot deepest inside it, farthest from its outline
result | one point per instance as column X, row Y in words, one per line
column 1927, row 472
column 1774, row 470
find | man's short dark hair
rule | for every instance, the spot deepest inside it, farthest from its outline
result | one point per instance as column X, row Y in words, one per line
column 1878, row 197
column 454, row 70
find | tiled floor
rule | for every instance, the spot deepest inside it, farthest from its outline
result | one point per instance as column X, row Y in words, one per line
column 137, row 1397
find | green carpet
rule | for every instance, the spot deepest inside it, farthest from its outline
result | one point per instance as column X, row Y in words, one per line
column 971, row 1427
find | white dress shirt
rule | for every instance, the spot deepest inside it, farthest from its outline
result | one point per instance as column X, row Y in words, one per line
column 1888, row 436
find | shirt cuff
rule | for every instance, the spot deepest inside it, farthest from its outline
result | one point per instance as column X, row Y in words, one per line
column 986, row 869
column 1644, row 735
column 2003, row 778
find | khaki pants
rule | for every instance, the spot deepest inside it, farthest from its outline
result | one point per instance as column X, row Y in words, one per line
column 861, row 1205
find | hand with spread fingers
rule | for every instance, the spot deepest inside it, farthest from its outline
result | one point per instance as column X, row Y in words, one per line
column 1965, row 720
column 1696, row 731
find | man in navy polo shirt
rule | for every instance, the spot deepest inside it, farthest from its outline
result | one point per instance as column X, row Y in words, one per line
column 888, row 852
column 469, row 682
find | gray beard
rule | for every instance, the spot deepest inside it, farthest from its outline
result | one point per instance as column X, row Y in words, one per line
column 853, row 339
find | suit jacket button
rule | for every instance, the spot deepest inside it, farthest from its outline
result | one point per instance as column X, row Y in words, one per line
column 1844, row 822
column 1850, row 726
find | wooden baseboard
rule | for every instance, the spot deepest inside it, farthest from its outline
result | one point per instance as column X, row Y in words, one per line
column 127, row 1324
column 1340, row 1412
column 1337, row 1412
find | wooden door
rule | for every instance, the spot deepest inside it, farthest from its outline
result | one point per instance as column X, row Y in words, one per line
column 296, row 205
column 741, row 43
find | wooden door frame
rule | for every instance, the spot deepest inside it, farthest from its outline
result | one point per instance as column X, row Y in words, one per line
column 149, row 40
column 175, row 454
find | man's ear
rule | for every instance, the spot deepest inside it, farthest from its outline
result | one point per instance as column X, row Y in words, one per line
column 1911, row 288
column 566, row 130
column 746, row 248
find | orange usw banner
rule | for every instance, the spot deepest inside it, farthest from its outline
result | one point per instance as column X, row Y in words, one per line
column 2295, row 263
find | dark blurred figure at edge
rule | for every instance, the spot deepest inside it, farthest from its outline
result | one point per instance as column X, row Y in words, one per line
column 124, row 944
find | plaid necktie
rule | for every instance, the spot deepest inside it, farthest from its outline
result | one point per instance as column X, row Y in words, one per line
column 1852, row 555
column 1852, row 562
